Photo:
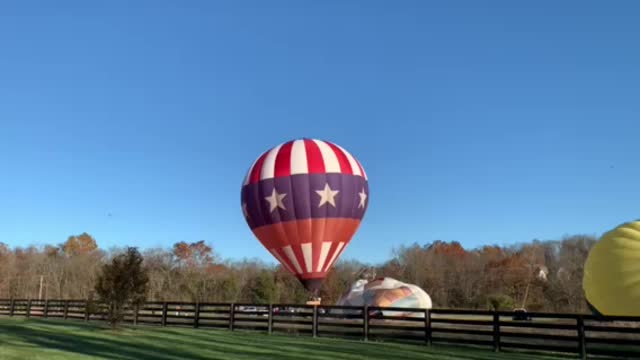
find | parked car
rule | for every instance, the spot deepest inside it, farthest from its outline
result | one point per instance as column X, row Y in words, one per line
column 520, row 314
column 264, row 311
column 283, row 310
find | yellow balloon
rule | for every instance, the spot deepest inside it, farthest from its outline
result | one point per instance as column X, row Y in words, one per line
column 611, row 280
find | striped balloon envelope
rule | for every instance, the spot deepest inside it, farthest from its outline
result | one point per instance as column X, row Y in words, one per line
column 304, row 200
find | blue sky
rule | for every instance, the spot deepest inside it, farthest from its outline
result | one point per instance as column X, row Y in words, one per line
column 480, row 122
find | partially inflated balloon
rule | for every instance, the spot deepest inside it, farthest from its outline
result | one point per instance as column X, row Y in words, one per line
column 387, row 292
column 304, row 200
column 612, row 272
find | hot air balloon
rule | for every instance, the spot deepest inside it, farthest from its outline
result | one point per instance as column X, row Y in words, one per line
column 304, row 200
column 387, row 292
column 611, row 279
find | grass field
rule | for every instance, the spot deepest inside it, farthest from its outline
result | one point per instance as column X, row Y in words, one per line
column 55, row 339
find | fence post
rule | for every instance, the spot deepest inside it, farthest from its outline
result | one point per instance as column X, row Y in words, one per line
column 496, row 332
column 427, row 326
column 196, row 315
column 136, row 311
column 46, row 309
column 86, row 310
column 28, row 308
column 12, row 308
column 365, row 322
column 232, row 310
column 314, row 330
column 270, row 320
column 164, row 313
column 65, row 311
column 582, row 343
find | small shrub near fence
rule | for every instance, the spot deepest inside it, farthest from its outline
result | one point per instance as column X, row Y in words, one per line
column 577, row 334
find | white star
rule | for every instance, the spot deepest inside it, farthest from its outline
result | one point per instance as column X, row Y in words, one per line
column 327, row 195
column 363, row 198
column 244, row 210
column 275, row 200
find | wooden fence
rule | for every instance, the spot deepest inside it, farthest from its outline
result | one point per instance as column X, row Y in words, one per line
column 577, row 334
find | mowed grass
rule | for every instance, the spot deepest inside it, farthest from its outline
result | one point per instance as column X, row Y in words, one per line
column 35, row 339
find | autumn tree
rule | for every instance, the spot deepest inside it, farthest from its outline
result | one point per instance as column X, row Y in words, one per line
column 263, row 289
column 565, row 261
column 290, row 291
column 79, row 245
column 163, row 280
column 122, row 283
column 68, row 270
column 227, row 288
column 7, row 271
column 195, row 262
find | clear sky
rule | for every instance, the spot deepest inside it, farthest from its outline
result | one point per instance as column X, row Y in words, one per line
column 481, row 122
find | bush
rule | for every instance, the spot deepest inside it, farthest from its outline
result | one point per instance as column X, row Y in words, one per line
column 92, row 307
column 122, row 283
column 500, row 302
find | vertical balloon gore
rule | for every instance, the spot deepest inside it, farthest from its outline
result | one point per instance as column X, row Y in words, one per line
column 304, row 200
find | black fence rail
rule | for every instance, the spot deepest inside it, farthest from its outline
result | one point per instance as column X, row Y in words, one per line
column 577, row 334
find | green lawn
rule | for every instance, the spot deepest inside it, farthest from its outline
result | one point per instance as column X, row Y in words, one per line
column 57, row 339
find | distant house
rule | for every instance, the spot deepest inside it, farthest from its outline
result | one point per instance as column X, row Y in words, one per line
column 542, row 272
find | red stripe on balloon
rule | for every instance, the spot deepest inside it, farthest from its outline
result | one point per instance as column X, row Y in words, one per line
column 332, row 251
column 283, row 160
column 297, row 251
column 285, row 260
column 314, row 157
column 345, row 166
column 257, row 168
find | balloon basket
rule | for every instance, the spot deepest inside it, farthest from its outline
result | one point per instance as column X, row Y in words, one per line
column 314, row 302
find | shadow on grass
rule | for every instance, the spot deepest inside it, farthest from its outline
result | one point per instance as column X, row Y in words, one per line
column 143, row 343
column 331, row 348
column 87, row 339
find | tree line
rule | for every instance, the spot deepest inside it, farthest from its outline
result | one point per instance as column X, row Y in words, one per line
column 538, row 275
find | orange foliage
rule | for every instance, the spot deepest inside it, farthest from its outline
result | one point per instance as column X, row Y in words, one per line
column 79, row 245
column 453, row 249
column 492, row 253
column 197, row 254
column 51, row 251
column 217, row 269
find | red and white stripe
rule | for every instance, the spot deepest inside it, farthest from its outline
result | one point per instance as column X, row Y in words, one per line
column 304, row 156
column 299, row 259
